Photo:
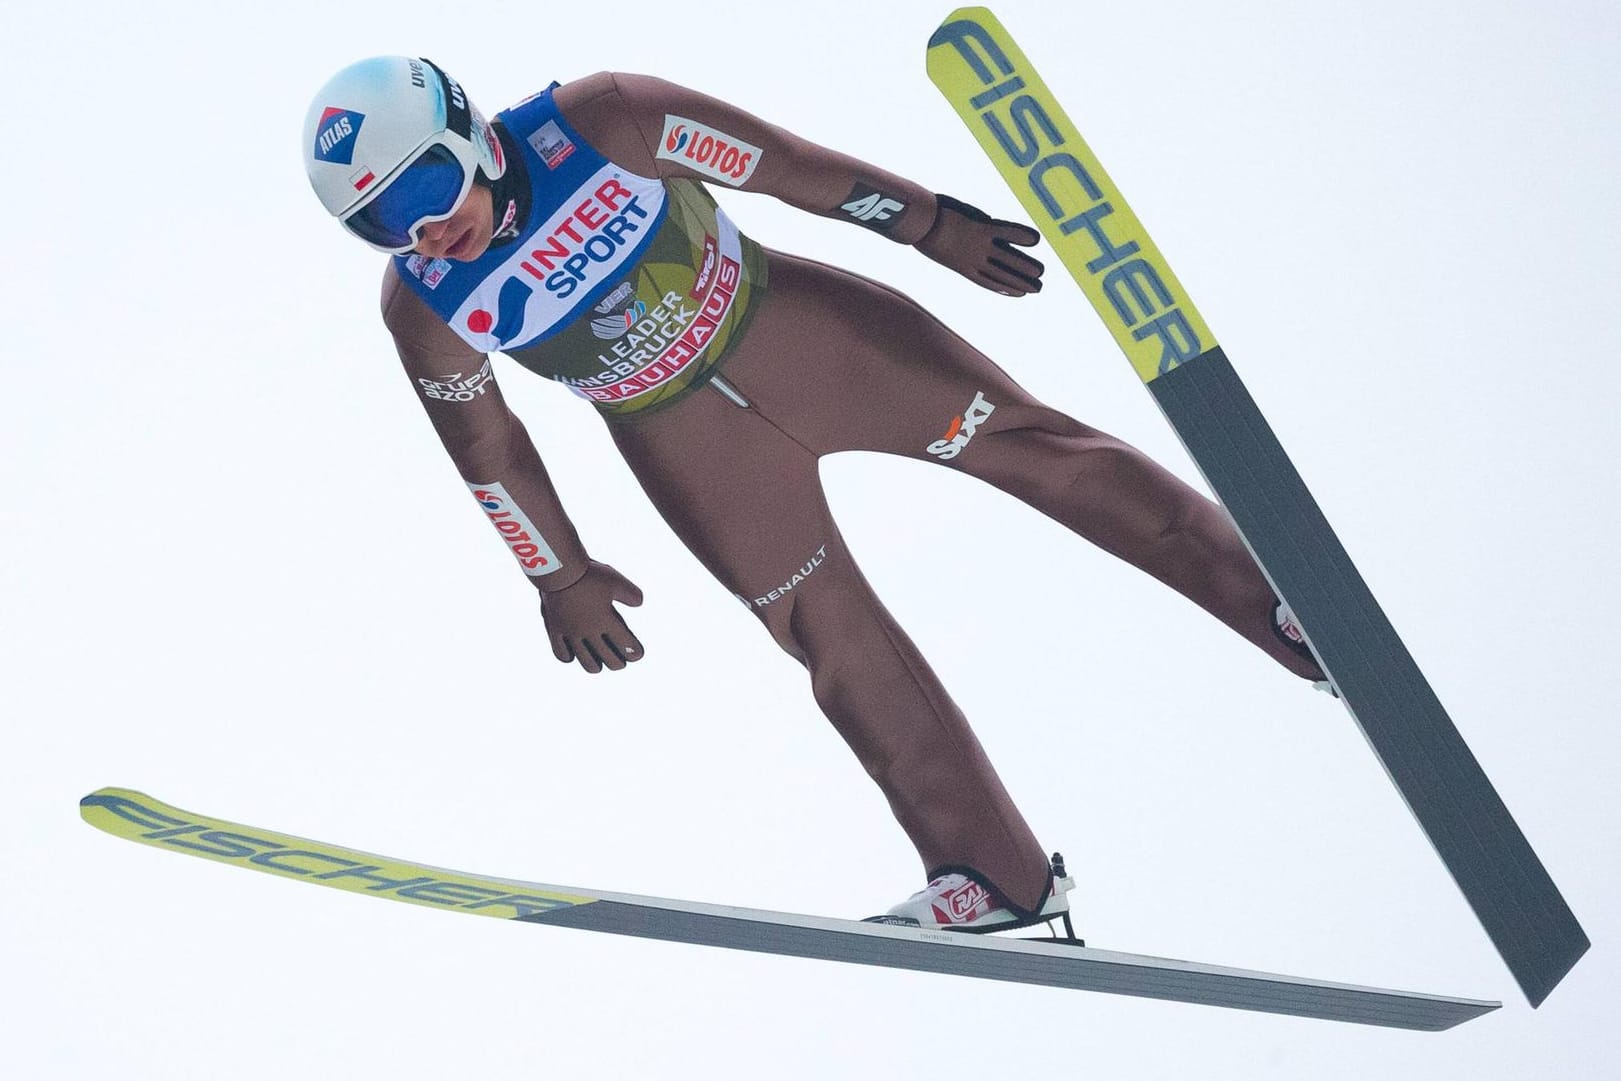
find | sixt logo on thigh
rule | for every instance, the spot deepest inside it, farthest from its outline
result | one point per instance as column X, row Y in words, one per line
column 962, row 428
column 318, row 863
column 1129, row 273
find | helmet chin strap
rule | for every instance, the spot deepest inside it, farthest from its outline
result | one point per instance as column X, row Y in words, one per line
column 508, row 225
column 510, row 192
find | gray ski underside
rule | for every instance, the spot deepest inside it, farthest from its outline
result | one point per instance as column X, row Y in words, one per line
column 1016, row 960
column 1406, row 725
column 137, row 817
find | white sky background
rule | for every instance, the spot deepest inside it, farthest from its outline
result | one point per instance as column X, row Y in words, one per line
column 239, row 573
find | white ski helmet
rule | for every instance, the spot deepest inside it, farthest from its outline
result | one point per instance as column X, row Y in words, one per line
column 391, row 144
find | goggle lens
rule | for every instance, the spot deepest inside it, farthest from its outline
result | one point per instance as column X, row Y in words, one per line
column 429, row 187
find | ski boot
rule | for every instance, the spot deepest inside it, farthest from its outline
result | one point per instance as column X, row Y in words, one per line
column 958, row 901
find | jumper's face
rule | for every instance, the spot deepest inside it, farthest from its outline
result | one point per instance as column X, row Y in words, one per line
column 465, row 235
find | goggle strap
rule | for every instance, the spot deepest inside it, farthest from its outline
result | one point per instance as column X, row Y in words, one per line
column 458, row 114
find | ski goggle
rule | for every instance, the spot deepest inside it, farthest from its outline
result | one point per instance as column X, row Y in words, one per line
column 428, row 188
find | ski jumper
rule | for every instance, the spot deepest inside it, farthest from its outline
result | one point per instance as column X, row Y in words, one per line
column 725, row 370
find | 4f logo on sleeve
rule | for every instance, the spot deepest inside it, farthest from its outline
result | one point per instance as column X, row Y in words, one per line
column 962, row 428
column 872, row 208
column 335, row 135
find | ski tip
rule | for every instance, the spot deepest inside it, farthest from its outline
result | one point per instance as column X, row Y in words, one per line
column 105, row 806
column 978, row 13
column 954, row 26
column 960, row 25
column 101, row 795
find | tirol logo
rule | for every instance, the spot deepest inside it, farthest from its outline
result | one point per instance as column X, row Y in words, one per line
column 335, row 135
column 706, row 267
column 962, row 428
column 705, row 150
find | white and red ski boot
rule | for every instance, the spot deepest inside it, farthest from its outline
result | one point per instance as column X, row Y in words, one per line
column 959, row 902
column 1287, row 627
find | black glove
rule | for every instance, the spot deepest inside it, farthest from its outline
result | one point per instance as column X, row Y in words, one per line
column 980, row 248
column 584, row 625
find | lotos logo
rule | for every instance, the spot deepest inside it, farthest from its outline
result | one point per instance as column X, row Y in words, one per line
column 534, row 554
column 962, row 428
column 335, row 135
column 708, row 151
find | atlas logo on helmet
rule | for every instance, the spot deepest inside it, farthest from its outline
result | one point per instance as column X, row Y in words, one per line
column 335, row 138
